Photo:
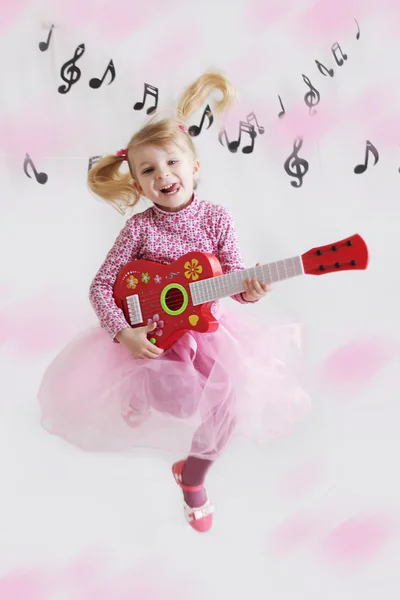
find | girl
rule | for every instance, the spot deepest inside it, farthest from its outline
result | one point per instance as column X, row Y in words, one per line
column 111, row 388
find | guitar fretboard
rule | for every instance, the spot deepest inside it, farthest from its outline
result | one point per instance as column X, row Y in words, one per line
column 223, row 286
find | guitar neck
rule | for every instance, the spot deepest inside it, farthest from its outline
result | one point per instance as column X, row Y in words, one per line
column 223, row 286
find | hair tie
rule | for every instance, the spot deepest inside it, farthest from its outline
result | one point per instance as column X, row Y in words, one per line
column 184, row 129
column 123, row 153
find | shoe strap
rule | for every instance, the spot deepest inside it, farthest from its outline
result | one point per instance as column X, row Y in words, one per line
column 187, row 488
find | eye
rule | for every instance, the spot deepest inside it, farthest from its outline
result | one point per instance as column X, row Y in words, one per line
column 147, row 170
column 173, row 161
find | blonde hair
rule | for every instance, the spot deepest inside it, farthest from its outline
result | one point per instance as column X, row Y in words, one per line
column 107, row 180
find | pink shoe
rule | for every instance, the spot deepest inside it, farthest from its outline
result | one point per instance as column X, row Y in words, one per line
column 200, row 518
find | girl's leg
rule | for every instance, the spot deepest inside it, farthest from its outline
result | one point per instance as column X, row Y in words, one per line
column 195, row 469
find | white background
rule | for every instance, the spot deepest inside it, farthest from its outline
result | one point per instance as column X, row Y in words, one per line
column 312, row 515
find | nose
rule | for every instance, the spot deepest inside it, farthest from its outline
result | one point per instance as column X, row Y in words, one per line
column 161, row 172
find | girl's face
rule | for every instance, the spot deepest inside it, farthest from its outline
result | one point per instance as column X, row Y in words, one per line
column 165, row 176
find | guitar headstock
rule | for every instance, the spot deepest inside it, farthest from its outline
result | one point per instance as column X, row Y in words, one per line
column 350, row 254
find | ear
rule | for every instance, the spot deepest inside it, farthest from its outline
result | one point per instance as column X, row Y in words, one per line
column 137, row 186
column 196, row 168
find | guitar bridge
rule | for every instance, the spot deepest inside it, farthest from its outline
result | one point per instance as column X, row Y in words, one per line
column 135, row 313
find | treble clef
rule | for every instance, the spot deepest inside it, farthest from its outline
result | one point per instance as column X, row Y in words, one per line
column 70, row 73
column 295, row 166
column 313, row 97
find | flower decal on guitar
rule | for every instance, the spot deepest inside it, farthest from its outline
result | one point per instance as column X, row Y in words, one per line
column 145, row 277
column 158, row 279
column 160, row 324
column 193, row 269
column 131, row 282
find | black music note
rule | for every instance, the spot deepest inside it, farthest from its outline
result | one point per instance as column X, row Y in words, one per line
column 358, row 32
column 313, row 97
column 40, row 177
column 252, row 117
column 233, row 146
column 74, row 73
column 283, row 111
column 336, row 47
column 324, row 70
column 151, row 91
column 196, row 129
column 295, row 166
column 93, row 160
column 359, row 169
column 96, row 83
column 43, row 46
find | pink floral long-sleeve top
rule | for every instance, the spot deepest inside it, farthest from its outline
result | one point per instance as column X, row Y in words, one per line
column 163, row 237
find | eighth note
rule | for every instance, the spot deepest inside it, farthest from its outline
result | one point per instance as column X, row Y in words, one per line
column 336, row 47
column 96, row 83
column 74, row 73
column 196, row 129
column 233, row 146
column 40, row 177
column 151, row 91
column 283, row 112
column 370, row 148
column 358, row 32
column 324, row 70
column 43, row 46
column 295, row 166
column 313, row 97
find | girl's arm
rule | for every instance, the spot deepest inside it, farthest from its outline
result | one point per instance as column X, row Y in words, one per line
column 125, row 249
column 228, row 251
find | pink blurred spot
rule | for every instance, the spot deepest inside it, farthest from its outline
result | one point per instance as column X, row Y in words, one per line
column 37, row 129
column 302, row 480
column 96, row 581
column 294, row 532
column 359, row 360
column 328, row 18
column 178, row 49
column 10, row 10
column 358, row 539
column 261, row 14
column 21, row 586
column 38, row 325
column 111, row 20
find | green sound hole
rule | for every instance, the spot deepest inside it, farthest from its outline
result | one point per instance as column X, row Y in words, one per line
column 174, row 299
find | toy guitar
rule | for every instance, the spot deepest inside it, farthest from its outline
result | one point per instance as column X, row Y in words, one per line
column 179, row 296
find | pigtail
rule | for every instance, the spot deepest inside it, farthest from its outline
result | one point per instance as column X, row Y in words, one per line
column 107, row 180
column 196, row 94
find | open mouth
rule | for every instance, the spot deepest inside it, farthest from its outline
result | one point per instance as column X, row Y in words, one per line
column 171, row 190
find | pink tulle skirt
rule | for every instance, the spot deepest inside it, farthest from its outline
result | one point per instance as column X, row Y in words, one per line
column 239, row 380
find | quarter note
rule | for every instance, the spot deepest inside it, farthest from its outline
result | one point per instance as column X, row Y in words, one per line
column 324, row 70
column 283, row 111
column 151, row 91
column 295, row 166
column 70, row 73
column 370, row 148
column 336, row 48
column 252, row 117
column 96, row 83
column 233, row 146
column 40, row 177
column 194, row 130
column 43, row 46
column 358, row 32
column 313, row 97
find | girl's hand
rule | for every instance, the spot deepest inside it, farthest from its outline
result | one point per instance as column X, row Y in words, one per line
column 137, row 343
column 254, row 289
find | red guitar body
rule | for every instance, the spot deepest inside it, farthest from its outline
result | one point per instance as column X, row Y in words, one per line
column 151, row 292
column 164, row 295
